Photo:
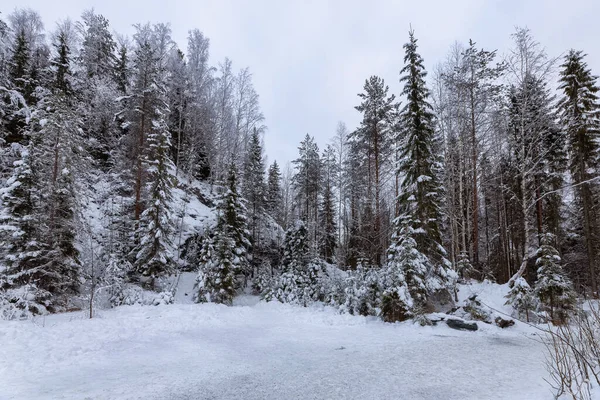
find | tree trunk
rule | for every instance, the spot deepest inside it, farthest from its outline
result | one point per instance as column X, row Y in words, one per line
column 475, row 227
column 587, row 226
column 539, row 212
column 138, row 177
column 377, row 227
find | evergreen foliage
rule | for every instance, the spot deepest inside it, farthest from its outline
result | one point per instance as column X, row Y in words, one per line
column 579, row 110
column 406, row 273
column 274, row 196
column 419, row 164
column 553, row 287
column 225, row 255
column 153, row 255
column 522, row 299
column 254, row 188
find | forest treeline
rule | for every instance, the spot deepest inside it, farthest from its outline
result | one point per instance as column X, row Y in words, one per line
column 484, row 169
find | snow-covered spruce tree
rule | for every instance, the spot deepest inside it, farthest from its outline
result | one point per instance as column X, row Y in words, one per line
column 307, row 182
column 420, row 167
column 405, row 275
column 274, row 201
column 225, row 255
column 22, row 279
column 40, row 207
column 327, row 215
column 98, row 81
column 50, row 264
column 216, row 278
column 298, row 279
column 553, row 287
column 521, row 298
column 17, row 84
column 253, row 187
column 362, row 291
column 234, row 220
column 579, row 110
column 464, row 267
column 145, row 106
column 295, row 248
column 153, row 258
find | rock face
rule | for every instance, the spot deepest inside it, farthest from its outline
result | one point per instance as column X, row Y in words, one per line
column 461, row 325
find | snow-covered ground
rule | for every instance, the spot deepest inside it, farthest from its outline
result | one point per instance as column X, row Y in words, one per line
column 258, row 350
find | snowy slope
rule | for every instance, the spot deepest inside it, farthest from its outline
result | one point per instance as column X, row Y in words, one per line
column 492, row 294
column 193, row 207
column 261, row 351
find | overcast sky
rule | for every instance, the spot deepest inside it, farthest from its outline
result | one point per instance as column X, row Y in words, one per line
column 309, row 59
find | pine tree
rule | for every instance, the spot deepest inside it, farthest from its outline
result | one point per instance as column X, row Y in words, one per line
column 553, row 288
column 98, row 47
column 146, row 105
column 96, row 78
column 373, row 138
column 56, row 153
column 153, row 258
column 419, row 165
column 580, row 118
column 48, row 262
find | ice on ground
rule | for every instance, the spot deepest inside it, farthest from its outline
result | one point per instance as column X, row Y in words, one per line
column 261, row 351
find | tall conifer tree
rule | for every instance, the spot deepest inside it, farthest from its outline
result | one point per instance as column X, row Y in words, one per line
column 419, row 165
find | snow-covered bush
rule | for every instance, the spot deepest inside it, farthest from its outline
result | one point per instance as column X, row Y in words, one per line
column 396, row 304
column 131, row 294
column 262, row 279
column 224, row 256
column 23, row 302
column 115, row 276
column 216, row 278
column 522, row 299
column 405, row 275
column 288, row 288
column 362, row 292
column 572, row 357
column 553, row 288
column 464, row 267
column 331, row 288
column 476, row 310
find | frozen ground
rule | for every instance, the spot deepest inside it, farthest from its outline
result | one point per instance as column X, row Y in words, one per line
column 263, row 351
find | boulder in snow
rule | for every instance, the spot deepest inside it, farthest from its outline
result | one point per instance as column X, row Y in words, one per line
column 461, row 325
column 504, row 323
